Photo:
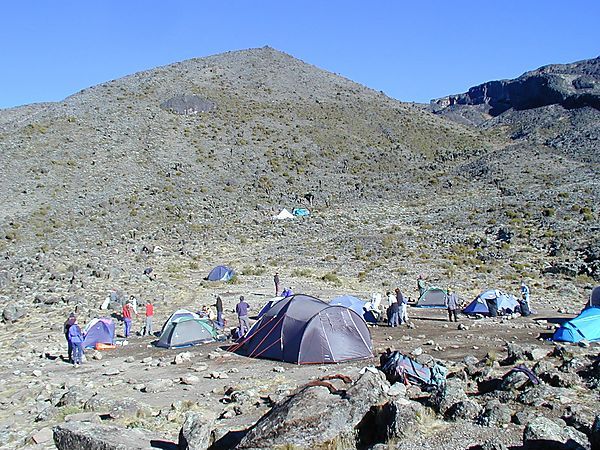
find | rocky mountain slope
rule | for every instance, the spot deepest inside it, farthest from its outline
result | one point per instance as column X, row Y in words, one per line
column 556, row 105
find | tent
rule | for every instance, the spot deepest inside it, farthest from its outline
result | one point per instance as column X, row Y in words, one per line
column 99, row 331
column 303, row 329
column 176, row 315
column 356, row 305
column 595, row 297
column 585, row 326
column 267, row 306
column 186, row 331
column 220, row 273
column 432, row 297
column 284, row 214
column 300, row 212
column 501, row 301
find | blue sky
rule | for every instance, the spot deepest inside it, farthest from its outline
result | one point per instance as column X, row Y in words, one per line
column 411, row 50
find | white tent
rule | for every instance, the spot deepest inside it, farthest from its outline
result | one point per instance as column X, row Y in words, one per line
column 284, row 214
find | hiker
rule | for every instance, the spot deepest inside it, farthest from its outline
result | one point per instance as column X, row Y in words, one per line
column 276, row 281
column 525, row 292
column 70, row 321
column 219, row 306
column 421, row 284
column 150, row 273
column 242, row 311
column 76, row 341
column 133, row 302
column 451, row 301
column 393, row 313
column 391, row 298
column 149, row 315
column 402, row 307
column 127, row 315
column 287, row 292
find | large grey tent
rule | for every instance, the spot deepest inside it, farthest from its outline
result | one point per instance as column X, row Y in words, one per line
column 186, row 331
column 303, row 329
column 433, row 297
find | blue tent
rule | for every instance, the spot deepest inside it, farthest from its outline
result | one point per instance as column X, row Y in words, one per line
column 221, row 273
column 301, row 212
column 99, row 331
column 505, row 304
column 356, row 305
column 585, row 326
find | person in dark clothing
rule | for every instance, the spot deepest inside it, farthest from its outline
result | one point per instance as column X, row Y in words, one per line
column 219, row 307
column 75, row 337
column 70, row 321
column 276, row 281
column 242, row 311
column 393, row 313
column 451, row 301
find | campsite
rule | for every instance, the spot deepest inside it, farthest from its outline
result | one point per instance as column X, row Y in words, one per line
column 200, row 249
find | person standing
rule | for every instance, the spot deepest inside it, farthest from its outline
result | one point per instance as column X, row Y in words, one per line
column 451, row 301
column 276, row 281
column 242, row 312
column 525, row 292
column 149, row 316
column 68, row 323
column 393, row 314
column 219, row 306
column 76, row 341
column 127, row 314
column 402, row 307
column 421, row 284
column 391, row 298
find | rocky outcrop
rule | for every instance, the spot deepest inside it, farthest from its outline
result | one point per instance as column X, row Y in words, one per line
column 572, row 86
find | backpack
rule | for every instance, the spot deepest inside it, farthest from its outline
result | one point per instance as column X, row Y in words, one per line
column 399, row 367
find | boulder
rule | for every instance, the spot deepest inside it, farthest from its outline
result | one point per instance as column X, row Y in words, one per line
column 495, row 414
column 449, row 394
column 397, row 419
column 196, row 432
column 545, row 434
column 463, row 410
column 12, row 313
column 90, row 436
column 319, row 415
column 159, row 385
column 595, row 434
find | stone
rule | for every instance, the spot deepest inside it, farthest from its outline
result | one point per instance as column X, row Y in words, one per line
column 200, row 368
column 112, row 372
column 545, row 434
column 90, row 436
column 463, row 410
column 278, row 369
column 397, row 390
column 318, row 416
column 129, row 359
column 75, row 396
column 182, row 358
column 83, row 417
column 417, row 351
column 37, row 373
column 196, row 432
column 495, row 414
column 12, row 313
column 514, row 381
column 159, row 385
column 190, row 379
column 42, row 436
column 595, row 434
column 449, row 394
column 396, row 420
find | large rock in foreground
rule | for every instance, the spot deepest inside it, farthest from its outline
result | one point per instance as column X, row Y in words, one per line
column 318, row 416
column 89, row 436
column 545, row 434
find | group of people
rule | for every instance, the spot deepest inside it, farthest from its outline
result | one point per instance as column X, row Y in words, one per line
column 129, row 312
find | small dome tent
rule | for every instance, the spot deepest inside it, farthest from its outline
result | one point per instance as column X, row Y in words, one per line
column 176, row 315
column 501, row 302
column 185, row 332
column 432, row 297
column 303, row 329
column 356, row 305
column 99, row 331
column 220, row 273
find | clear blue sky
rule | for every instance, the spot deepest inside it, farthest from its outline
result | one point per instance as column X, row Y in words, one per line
column 411, row 50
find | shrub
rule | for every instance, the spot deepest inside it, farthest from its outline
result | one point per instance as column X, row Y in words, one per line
column 331, row 277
